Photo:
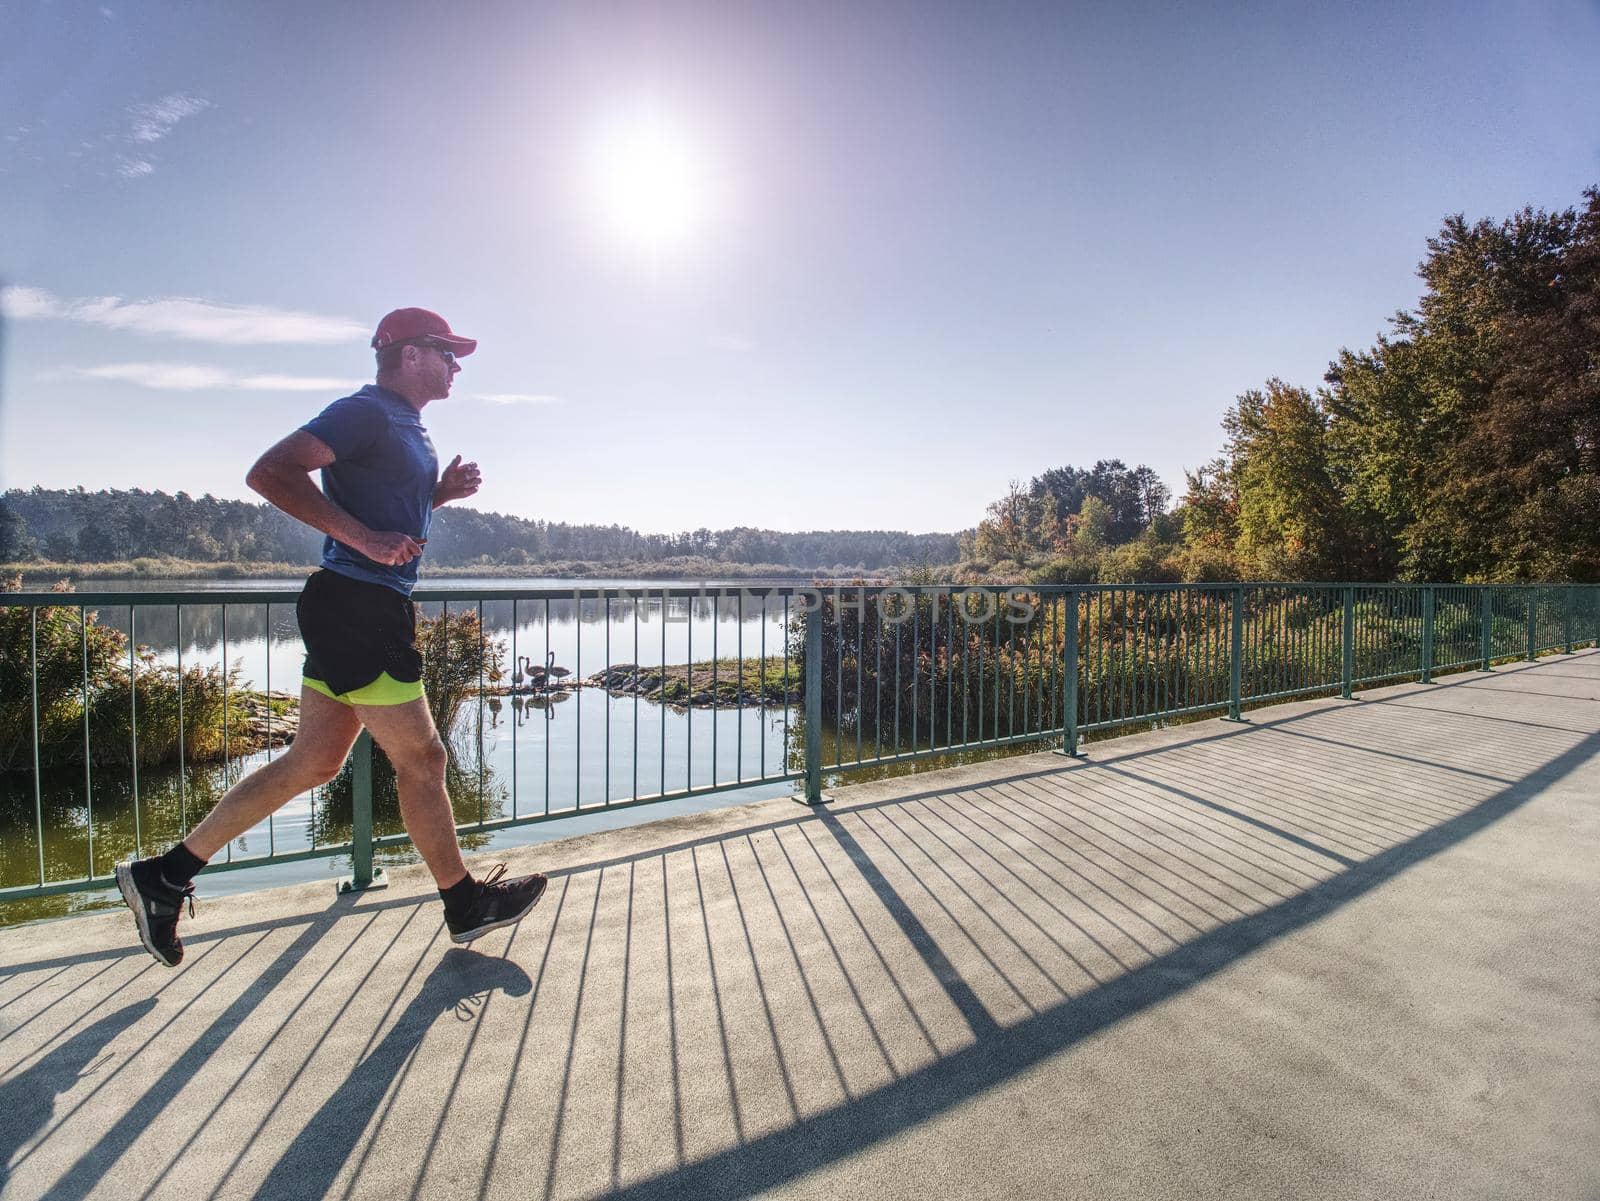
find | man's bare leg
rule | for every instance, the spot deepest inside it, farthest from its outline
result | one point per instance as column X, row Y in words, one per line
column 327, row 730
column 156, row 889
column 407, row 736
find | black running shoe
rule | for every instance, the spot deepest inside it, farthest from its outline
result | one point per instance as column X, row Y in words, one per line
column 156, row 905
column 497, row 903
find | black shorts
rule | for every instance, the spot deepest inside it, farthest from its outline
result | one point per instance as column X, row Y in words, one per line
column 361, row 641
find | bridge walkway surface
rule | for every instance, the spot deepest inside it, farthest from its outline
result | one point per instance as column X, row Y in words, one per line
column 1344, row 949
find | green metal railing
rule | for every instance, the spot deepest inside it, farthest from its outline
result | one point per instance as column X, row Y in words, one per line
column 868, row 677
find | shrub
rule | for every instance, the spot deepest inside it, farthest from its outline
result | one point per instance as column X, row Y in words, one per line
column 83, row 664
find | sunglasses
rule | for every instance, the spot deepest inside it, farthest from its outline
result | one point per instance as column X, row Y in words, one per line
column 449, row 356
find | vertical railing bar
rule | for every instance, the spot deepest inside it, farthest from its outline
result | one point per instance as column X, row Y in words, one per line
column 38, row 790
column 1069, row 675
column 1047, row 685
column 516, row 709
column 916, row 666
column 577, row 697
column 226, row 775
column 88, row 762
column 840, row 640
column 1236, row 653
column 605, row 691
column 995, row 732
column 688, row 696
column 897, row 652
column 716, row 620
column 1093, row 707
column 1130, row 698
column 1347, row 642
column 545, row 710
column 1429, row 602
column 1141, row 648
column 786, row 683
column 1026, row 673
column 663, row 705
column 950, row 673
column 933, row 673
column 1171, row 651
column 861, row 650
column 483, row 653
column 1011, row 670
column 133, row 729
column 272, row 833
column 968, row 640
column 738, row 696
column 877, row 676
column 1485, row 624
column 636, row 697
column 183, row 789
column 813, row 700
column 761, row 678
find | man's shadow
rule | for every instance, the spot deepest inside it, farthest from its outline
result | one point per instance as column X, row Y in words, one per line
column 28, row 1100
column 460, row 983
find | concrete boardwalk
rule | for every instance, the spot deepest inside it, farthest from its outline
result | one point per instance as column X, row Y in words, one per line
column 1344, row 950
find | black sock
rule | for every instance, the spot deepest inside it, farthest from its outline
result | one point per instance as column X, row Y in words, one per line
column 461, row 894
column 180, row 865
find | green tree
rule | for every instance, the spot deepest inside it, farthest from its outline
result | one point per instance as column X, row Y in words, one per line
column 1290, row 513
column 1091, row 530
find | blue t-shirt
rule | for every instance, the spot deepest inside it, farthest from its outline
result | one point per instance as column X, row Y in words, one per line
column 383, row 475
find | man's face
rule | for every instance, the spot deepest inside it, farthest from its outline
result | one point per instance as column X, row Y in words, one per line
column 434, row 368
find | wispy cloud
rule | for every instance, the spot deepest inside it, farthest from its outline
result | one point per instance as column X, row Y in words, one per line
column 148, row 124
column 516, row 398
column 195, row 377
column 154, row 121
column 184, row 317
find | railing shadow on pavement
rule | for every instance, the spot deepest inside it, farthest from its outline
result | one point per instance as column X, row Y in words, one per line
column 1211, row 880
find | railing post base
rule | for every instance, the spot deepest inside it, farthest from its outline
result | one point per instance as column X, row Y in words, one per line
column 380, row 879
column 1066, row 754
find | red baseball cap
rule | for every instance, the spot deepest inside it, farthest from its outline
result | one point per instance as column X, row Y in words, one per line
column 403, row 325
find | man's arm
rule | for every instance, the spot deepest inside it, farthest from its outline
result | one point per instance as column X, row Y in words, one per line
column 282, row 476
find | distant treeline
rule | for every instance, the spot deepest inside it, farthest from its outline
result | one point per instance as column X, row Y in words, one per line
column 77, row 526
column 1463, row 445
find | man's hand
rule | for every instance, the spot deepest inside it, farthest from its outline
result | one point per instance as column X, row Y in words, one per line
column 456, row 481
column 386, row 546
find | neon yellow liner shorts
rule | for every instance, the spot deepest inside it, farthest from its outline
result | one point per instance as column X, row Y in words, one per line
column 361, row 641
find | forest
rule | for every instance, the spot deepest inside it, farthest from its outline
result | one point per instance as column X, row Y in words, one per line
column 1462, row 445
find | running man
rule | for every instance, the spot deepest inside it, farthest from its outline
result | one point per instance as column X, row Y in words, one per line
column 380, row 485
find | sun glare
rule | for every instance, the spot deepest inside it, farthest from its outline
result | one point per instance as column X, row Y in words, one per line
column 650, row 182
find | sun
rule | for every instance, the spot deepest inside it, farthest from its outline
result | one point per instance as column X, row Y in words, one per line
column 650, row 181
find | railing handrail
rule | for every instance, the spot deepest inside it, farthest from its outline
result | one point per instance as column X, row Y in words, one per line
column 33, row 599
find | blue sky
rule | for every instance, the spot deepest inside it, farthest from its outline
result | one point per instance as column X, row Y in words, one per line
column 787, row 265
